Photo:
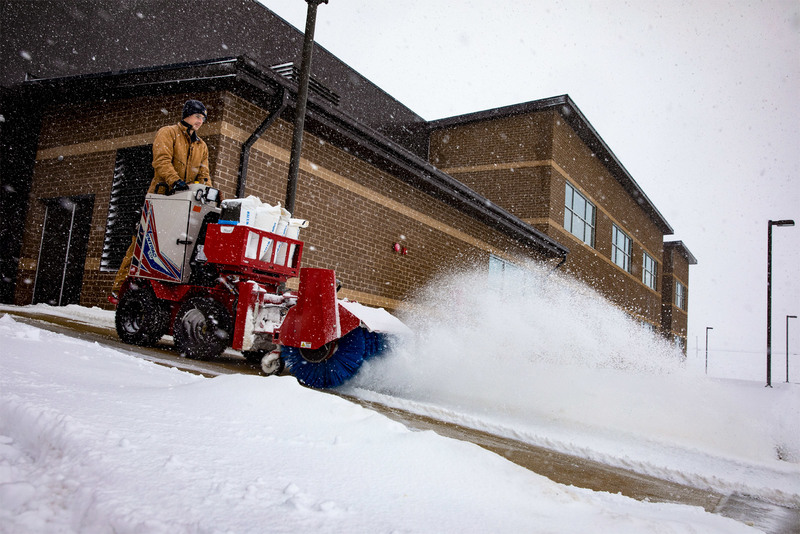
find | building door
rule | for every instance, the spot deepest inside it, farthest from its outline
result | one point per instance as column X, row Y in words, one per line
column 62, row 251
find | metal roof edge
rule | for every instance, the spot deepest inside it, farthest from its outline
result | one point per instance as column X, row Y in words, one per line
column 139, row 70
column 252, row 73
column 681, row 247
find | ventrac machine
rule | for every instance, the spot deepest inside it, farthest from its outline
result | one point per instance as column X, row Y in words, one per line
column 212, row 273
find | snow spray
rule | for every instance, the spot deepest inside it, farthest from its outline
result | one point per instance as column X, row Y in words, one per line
column 481, row 341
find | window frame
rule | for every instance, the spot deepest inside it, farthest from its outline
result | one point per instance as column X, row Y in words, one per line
column 649, row 275
column 617, row 252
column 571, row 214
column 680, row 295
column 499, row 272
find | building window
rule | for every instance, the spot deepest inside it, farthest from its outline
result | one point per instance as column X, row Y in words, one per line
column 133, row 172
column 649, row 271
column 680, row 295
column 501, row 273
column 621, row 248
column 579, row 215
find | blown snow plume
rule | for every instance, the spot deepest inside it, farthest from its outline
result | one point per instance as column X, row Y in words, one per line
column 469, row 328
column 516, row 347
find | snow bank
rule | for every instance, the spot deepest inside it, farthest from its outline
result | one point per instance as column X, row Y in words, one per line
column 80, row 314
column 546, row 360
column 95, row 440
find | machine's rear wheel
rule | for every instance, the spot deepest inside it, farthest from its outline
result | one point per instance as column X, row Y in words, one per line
column 141, row 318
column 330, row 365
column 202, row 328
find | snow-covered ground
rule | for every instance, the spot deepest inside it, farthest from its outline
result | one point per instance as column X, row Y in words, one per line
column 93, row 439
column 547, row 361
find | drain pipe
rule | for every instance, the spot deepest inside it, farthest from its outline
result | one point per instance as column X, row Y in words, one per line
column 302, row 98
column 275, row 109
column 563, row 260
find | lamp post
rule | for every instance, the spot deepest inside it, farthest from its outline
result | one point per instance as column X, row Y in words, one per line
column 302, row 98
column 787, row 345
column 707, row 329
column 770, row 224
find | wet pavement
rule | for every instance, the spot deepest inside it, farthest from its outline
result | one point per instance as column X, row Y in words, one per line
column 561, row 468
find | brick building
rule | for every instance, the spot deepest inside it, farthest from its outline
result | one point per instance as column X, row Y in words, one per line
column 674, row 313
column 544, row 163
column 530, row 181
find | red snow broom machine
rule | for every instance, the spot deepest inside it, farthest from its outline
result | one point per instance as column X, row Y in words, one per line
column 213, row 274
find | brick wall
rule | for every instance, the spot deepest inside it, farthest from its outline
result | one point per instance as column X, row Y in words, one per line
column 356, row 211
column 676, row 269
column 522, row 164
column 615, row 206
column 66, row 176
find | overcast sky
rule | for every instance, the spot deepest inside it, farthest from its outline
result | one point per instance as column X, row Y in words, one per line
column 699, row 100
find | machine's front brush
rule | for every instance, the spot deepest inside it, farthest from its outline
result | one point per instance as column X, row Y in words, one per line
column 329, row 366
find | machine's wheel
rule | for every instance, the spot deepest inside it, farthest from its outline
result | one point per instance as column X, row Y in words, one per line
column 270, row 363
column 202, row 328
column 330, row 365
column 141, row 318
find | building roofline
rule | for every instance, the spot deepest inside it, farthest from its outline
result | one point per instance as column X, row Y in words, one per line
column 244, row 74
column 570, row 112
column 681, row 247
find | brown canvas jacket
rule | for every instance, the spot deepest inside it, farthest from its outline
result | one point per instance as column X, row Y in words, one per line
column 177, row 157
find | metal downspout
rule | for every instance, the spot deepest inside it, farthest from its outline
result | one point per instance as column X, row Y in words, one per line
column 563, row 260
column 275, row 110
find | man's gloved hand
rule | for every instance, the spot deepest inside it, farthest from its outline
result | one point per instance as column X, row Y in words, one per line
column 180, row 185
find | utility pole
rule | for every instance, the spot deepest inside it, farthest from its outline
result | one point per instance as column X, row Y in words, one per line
column 302, row 98
column 787, row 345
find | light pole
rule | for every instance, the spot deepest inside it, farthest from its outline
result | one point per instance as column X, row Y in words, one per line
column 787, row 345
column 770, row 224
column 707, row 329
column 302, row 98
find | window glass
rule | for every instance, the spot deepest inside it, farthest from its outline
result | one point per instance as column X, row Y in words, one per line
column 649, row 271
column 577, row 227
column 680, row 295
column 579, row 215
column 501, row 273
column 621, row 248
column 579, row 206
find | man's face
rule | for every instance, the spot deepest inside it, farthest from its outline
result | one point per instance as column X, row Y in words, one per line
column 195, row 121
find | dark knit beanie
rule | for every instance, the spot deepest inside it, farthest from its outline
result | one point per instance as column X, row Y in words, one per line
column 194, row 106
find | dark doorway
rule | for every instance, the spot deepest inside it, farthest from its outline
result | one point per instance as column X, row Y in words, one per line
column 62, row 252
